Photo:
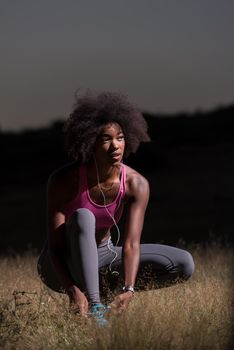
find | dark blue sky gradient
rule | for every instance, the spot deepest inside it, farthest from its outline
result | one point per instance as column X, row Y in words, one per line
column 168, row 56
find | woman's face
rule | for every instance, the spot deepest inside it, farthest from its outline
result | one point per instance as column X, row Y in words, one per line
column 110, row 144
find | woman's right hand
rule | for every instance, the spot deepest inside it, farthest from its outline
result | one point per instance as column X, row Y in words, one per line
column 78, row 300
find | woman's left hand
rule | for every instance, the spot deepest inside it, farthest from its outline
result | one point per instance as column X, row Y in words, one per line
column 121, row 302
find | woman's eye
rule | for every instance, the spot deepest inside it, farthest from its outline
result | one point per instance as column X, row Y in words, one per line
column 107, row 139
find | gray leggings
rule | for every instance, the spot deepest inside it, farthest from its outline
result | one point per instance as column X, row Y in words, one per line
column 85, row 259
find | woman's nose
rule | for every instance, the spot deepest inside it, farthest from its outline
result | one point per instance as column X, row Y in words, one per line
column 114, row 144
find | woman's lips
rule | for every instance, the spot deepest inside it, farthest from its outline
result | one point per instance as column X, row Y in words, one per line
column 115, row 156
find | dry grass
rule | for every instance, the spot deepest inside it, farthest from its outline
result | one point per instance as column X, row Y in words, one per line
column 193, row 315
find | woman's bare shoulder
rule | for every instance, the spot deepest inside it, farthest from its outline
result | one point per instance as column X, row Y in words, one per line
column 64, row 179
column 136, row 182
column 64, row 172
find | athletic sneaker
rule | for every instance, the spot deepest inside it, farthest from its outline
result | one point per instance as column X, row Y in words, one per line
column 98, row 310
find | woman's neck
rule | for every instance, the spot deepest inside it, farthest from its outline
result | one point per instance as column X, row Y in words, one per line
column 103, row 173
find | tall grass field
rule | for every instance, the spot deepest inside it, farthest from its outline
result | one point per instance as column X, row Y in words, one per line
column 197, row 314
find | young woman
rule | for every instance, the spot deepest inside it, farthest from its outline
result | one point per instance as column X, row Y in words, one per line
column 86, row 200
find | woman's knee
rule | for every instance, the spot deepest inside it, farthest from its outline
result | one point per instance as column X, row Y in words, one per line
column 187, row 265
column 83, row 219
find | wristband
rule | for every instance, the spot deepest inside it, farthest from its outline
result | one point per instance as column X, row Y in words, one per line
column 128, row 289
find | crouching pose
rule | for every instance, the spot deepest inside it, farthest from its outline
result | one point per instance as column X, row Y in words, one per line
column 85, row 201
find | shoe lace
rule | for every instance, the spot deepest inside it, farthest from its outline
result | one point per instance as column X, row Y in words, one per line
column 98, row 310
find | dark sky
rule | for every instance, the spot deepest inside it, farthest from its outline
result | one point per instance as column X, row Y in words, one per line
column 167, row 55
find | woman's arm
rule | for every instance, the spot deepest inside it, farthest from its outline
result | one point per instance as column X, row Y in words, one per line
column 56, row 230
column 139, row 197
column 57, row 244
column 138, row 193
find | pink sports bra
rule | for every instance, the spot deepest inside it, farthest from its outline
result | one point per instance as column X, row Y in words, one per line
column 83, row 200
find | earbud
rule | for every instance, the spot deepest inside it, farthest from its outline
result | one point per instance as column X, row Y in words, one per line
column 115, row 273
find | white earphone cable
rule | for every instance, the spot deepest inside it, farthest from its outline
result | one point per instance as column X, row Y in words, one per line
column 113, row 219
